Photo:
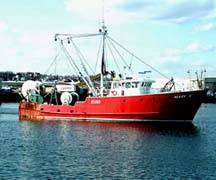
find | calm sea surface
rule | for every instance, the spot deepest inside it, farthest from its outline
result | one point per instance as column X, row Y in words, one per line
column 82, row 150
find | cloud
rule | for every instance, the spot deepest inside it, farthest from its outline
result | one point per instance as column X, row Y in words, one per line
column 173, row 58
column 191, row 48
column 96, row 10
column 178, row 11
column 22, row 49
column 198, row 48
column 84, row 9
column 173, row 52
column 172, row 11
column 206, row 27
column 3, row 25
column 184, row 11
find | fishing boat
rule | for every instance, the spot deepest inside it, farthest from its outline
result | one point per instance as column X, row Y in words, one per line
column 126, row 97
column 8, row 94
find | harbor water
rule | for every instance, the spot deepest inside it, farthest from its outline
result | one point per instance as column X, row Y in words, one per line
column 92, row 150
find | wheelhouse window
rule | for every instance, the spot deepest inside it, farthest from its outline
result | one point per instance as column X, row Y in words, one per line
column 115, row 85
column 146, row 84
column 135, row 84
column 128, row 84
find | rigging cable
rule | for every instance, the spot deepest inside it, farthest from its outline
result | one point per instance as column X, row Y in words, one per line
column 54, row 61
column 80, row 56
column 110, row 49
column 98, row 53
column 110, row 39
column 71, row 60
column 139, row 59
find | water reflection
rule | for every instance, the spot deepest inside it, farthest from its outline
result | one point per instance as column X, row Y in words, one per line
column 102, row 150
column 64, row 128
column 8, row 108
column 93, row 150
column 157, row 128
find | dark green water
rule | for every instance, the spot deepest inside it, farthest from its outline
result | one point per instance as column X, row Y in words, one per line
column 88, row 150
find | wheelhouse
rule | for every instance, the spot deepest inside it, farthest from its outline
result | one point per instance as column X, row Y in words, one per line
column 130, row 86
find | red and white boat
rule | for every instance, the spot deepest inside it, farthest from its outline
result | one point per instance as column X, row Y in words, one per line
column 124, row 98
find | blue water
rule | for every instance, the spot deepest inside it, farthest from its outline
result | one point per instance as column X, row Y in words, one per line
column 87, row 150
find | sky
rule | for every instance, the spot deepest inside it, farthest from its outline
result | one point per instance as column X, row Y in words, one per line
column 173, row 36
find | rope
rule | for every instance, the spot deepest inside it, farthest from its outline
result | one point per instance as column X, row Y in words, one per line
column 139, row 59
column 81, row 57
column 119, row 52
column 110, row 49
column 55, row 59
column 83, row 65
column 71, row 60
column 98, row 55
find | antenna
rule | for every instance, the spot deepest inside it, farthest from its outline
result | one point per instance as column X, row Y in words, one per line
column 103, row 17
column 103, row 27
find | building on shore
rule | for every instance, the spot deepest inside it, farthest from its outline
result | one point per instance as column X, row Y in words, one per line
column 210, row 83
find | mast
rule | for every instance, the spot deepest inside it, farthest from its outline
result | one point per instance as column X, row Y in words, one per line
column 103, row 65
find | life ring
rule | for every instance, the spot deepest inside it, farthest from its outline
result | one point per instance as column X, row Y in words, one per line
column 114, row 93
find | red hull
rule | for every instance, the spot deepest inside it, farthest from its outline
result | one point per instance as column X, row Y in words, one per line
column 178, row 106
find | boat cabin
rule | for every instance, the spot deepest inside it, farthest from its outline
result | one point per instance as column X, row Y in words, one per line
column 130, row 86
